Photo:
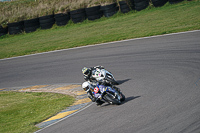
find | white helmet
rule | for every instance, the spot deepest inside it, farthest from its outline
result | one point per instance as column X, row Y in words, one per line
column 86, row 86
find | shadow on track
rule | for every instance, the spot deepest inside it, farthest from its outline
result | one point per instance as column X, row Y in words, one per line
column 130, row 99
column 122, row 81
column 126, row 100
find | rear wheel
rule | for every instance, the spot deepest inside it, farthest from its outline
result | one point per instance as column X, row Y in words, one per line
column 122, row 97
column 111, row 80
column 111, row 99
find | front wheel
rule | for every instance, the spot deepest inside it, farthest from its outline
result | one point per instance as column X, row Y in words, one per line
column 111, row 99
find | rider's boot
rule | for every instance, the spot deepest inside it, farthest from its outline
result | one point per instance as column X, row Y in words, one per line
column 99, row 102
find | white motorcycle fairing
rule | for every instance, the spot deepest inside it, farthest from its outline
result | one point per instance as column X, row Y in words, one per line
column 102, row 74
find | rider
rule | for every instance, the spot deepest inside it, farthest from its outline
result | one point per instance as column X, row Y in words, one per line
column 89, row 89
column 87, row 72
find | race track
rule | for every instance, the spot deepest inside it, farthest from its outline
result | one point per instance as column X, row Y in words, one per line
column 160, row 77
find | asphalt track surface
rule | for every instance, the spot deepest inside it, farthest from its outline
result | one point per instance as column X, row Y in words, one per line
column 160, row 77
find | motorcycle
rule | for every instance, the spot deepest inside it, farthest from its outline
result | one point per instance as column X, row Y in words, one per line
column 104, row 75
column 109, row 94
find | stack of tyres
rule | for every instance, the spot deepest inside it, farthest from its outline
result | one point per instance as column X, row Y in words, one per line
column 93, row 13
column 124, row 7
column 3, row 31
column 62, row 19
column 141, row 4
column 132, row 5
column 31, row 25
column 174, row 1
column 46, row 22
column 78, row 15
column 109, row 10
column 16, row 28
column 159, row 3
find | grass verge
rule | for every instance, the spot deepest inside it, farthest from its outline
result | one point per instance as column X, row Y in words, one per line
column 19, row 112
column 179, row 17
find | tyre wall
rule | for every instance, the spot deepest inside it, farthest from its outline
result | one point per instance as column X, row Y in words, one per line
column 79, row 15
column 16, row 28
column 109, row 10
column 124, row 7
column 3, row 31
column 31, row 25
column 46, row 22
column 93, row 13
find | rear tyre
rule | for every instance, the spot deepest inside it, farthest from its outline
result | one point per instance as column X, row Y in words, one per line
column 111, row 80
column 110, row 98
column 122, row 97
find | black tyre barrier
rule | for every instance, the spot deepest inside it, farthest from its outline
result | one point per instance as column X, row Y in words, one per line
column 78, row 20
column 141, row 4
column 46, row 17
column 158, row 3
column 31, row 22
column 62, row 19
column 78, row 15
column 93, row 13
column 109, row 10
column 77, row 11
column 108, row 6
column 3, row 31
column 137, row 1
column 124, row 7
column 47, row 25
column 31, row 25
column 92, row 9
column 31, row 29
column 46, row 22
column 122, row 3
column 94, row 17
column 132, row 5
column 174, row 1
column 16, row 28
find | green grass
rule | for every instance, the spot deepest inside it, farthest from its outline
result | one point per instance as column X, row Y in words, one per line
column 19, row 112
column 179, row 17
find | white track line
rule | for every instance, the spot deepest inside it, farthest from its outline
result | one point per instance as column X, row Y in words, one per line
column 100, row 44
column 65, row 117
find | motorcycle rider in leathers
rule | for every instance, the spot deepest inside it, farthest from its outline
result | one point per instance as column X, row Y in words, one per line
column 88, row 87
column 87, row 72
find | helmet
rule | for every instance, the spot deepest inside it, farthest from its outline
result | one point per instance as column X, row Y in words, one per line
column 85, row 71
column 86, row 86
